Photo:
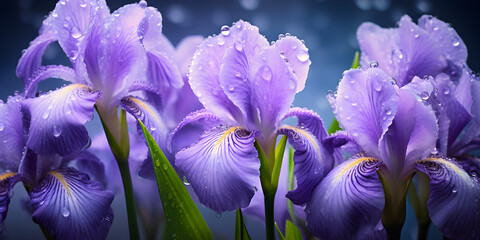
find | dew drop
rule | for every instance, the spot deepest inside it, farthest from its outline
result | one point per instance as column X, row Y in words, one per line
column 373, row 64
column 267, row 73
column 65, row 212
column 456, row 42
column 57, row 130
column 446, row 90
column 170, row 196
column 231, row 87
column 393, row 81
column 303, row 56
column 238, row 46
column 165, row 167
column 454, row 190
column 220, row 41
column 143, row 4
column 377, row 86
column 45, row 115
column 185, row 181
column 225, row 30
column 354, row 104
column 75, row 33
column 388, row 111
column 424, row 95
column 2, row 126
column 291, row 84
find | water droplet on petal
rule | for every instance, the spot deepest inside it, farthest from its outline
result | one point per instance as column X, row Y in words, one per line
column 220, row 41
column 291, row 84
column 456, row 41
column 2, row 126
column 75, row 33
column 143, row 4
column 65, row 212
column 373, row 64
column 388, row 111
column 238, row 46
column 57, row 130
column 377, row 86
column 454, row 190
column 424, row 95
column 303, row 56
column 185, row 181
column 225, row 30
column 446, row 90
column 231, row 87
column 45, row 115
column 267, row 73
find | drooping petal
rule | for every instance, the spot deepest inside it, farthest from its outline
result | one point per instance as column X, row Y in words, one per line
column 348, row 203
column 453, row 204
column 45, row 72
column 222, row 167
column 149, row 116
column 201, row 118
column 123, row 60
column 7, row 181
column 450, row 43
column 31, row 59
column 366, row 104
column 207, row 61
column 12, row 134
column 312, row 158
column 68, row 205
column 273, row 88
column 410, row 137
column 57, row 119
column 298, row 58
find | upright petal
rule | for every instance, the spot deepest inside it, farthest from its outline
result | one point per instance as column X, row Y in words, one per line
column 207, row 61
column 68, row 205
column 57, row 119
column 71, row 22
column 349, row 202
column 366, row 104
column 12, row 134
column 45, row 72
column 298, row 58
column 450, row 43
column 411, row 137
column 453, row 204
column 312, row 158
column 185, row 50
column 273, row 88
column 149, row 116
column 123, row 60
column 223, row 167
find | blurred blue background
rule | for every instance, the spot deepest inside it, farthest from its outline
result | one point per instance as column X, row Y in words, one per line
column 327, row 26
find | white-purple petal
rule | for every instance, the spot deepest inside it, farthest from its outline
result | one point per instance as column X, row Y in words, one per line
column 12, row 134
column 68, row 205
column 57, row 119
column 223, row 168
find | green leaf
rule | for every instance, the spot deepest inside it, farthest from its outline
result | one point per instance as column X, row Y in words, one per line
column 240, row 229
column 292, row 232
column 280, row 234
column 291, row 184
column 265, row 175
column 334, row 127
column 356, row 59
column 279, row 152
column 124, row 139
column 184, row 221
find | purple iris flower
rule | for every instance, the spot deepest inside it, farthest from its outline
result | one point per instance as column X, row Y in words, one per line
column 65, row 202
column 396, row 131
column 117, row 59
column 431, row 48
column 247, row 86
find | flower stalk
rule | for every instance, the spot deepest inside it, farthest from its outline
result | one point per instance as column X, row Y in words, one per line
column 119, row 144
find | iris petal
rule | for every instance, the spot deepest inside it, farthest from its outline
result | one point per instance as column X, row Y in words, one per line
column 365, row 105
column 12, row 134
column 69, row 205
column 7, row 181
column 45, row 72
column 57, row 119
column 223, row 167
column 453, row 204
column 149, row 116
column 313, row 160
column 32, row 57
column 348, row 203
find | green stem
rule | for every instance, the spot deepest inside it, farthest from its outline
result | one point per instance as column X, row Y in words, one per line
column 269, row 201
column 116, row 131
column 129, row 199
